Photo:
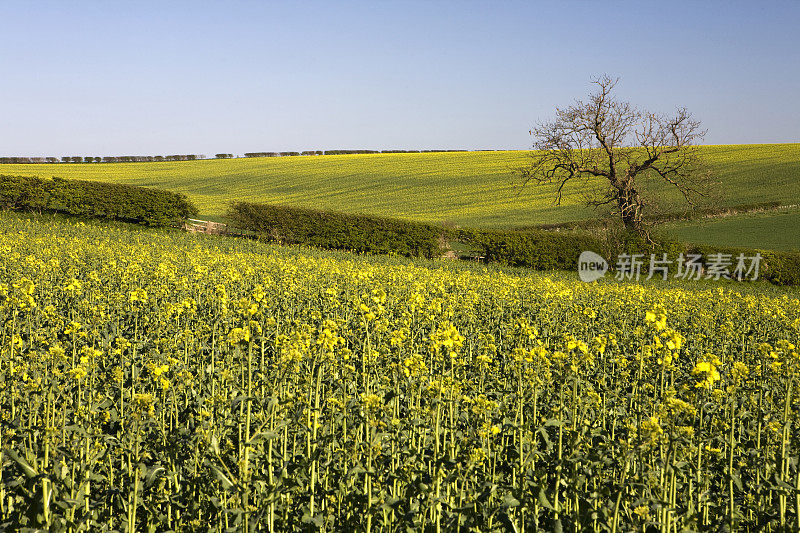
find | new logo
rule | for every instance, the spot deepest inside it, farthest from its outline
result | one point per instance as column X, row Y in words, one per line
column 591, row 266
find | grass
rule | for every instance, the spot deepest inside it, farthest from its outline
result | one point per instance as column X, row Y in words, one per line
column 777, row 230
column 475, row 189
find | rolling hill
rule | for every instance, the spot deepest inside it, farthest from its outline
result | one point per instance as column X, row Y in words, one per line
column 462, row 188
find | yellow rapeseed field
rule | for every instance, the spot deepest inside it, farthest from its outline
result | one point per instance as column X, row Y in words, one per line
column 157, row 381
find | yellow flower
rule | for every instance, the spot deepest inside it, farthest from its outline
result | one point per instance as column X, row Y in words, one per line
column 239, row 335
column 477, row 456
column 702, row 366
column 707, row 370
column 79, row 372
column 138, row 295
column 643, row 512
column 658, row 320
column 144, row 402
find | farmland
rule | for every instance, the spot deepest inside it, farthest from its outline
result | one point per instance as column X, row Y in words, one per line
column 474, row 189
column 154, row 380
column 776, row 230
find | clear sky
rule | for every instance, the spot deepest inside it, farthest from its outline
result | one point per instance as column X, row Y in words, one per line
column 147, row 78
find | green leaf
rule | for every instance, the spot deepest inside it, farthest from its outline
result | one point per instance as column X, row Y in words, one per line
column 227, row 484
column 510, row 501
column 737, row 481
column 543, row 501
column 152, row 473
column 26, row 467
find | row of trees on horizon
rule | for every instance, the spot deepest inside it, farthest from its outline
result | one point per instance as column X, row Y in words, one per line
column 106, row 159
column 194, row 157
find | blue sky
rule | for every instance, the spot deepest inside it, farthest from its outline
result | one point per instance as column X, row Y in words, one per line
column 114, row 78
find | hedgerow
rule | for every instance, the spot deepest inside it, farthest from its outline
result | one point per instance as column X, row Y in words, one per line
column 152, row 207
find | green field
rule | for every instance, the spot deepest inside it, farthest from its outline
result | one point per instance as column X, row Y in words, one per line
column 776, row 230
column 464, row 188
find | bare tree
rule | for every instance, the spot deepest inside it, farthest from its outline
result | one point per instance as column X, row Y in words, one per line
column 616, row 143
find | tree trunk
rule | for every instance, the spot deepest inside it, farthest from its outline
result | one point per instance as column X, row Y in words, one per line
column 630, row 206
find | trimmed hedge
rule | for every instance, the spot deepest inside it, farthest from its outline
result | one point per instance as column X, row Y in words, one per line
column 337, row 231
column 780, row 268
column 544, row 250
column 153, row 207
column 540, row 250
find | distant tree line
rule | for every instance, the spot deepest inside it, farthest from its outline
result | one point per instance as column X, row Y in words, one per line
column 17, row 160
column 194, row 157
column 281, row 154
column 106, row 159
column 344, row 152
